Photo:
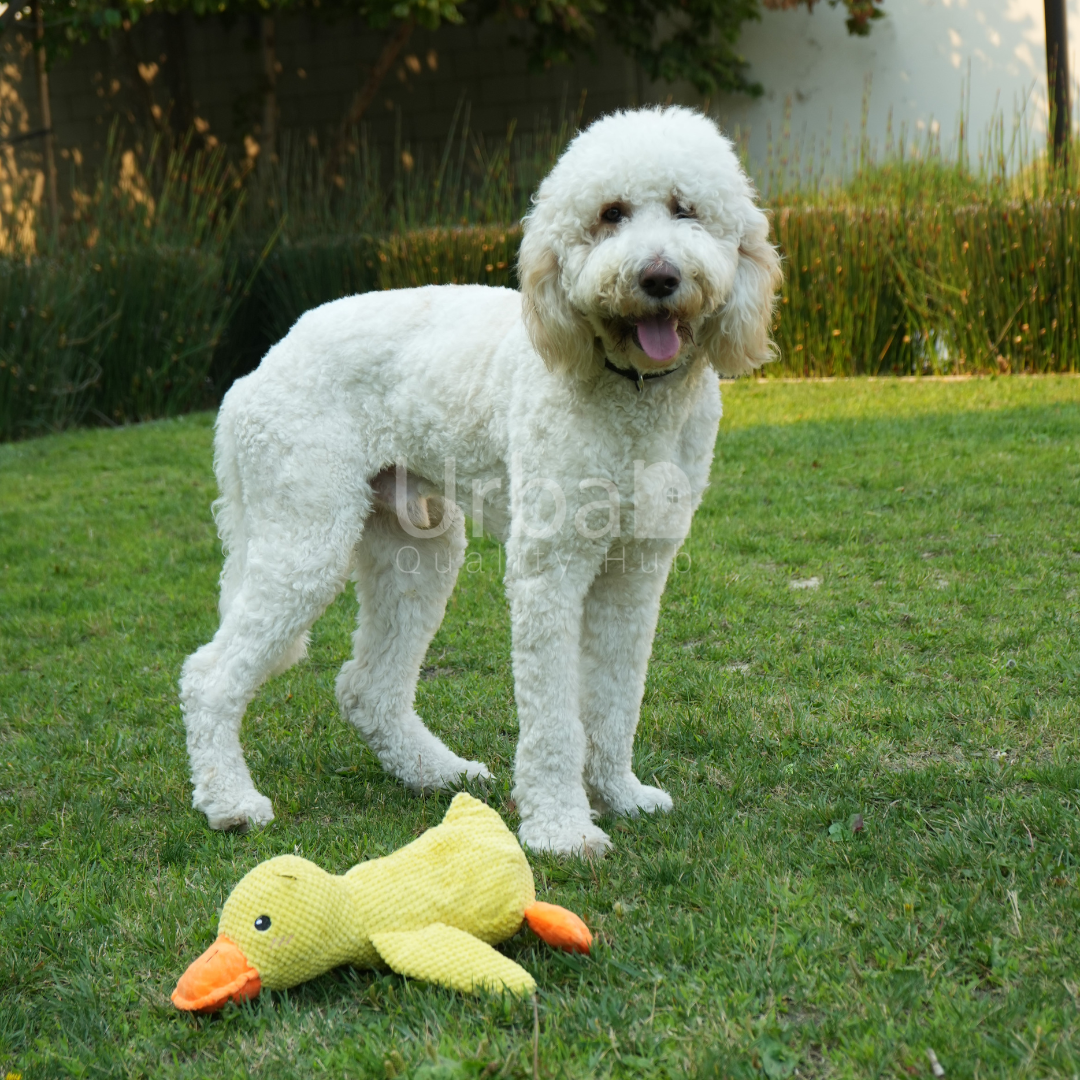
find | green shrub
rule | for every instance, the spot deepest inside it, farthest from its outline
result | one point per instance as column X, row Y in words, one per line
column 296, row 277
column 128, row 337
column 918, row 264
column 293, row 277
column 55, row 334
column 121, row 321
column 888, row 290
column 1016, row 298
column 840, row 312
column 948, row 289
column 300, row 276
column 480, row 254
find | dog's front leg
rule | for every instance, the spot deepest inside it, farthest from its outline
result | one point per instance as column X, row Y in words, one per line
column 619, row 623
column 547, row 588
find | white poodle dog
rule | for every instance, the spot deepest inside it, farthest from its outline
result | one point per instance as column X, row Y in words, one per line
column 574, row 420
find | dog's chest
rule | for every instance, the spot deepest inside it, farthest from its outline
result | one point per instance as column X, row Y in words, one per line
column 596, row 469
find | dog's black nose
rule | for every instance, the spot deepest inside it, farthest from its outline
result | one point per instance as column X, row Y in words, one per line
column 659, row 279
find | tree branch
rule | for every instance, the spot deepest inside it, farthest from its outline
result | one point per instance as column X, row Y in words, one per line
column 366, row 94
column 45, row 107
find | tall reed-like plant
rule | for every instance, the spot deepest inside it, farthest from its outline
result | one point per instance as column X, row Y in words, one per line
column 363, row 221
column 119, row 320
column 919, row 263
column 469, row 180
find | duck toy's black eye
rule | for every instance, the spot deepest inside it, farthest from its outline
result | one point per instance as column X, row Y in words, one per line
column 262, row 922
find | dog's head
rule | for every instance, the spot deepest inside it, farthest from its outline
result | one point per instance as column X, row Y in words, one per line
column 645, row 245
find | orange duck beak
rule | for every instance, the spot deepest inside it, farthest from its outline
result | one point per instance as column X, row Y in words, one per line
column 221, row 974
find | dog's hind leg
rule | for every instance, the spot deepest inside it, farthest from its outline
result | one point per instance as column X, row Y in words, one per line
column 285, row 584
column 403, row 583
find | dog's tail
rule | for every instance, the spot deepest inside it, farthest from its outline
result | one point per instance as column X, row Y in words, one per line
column 228, row 508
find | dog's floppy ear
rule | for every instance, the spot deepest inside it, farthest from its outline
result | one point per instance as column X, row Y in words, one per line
column 561, row 335
column 736, row 339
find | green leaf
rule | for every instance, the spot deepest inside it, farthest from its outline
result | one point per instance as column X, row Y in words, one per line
column 777, row 1060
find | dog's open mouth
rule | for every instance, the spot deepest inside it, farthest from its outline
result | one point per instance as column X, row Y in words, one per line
column 658, row 337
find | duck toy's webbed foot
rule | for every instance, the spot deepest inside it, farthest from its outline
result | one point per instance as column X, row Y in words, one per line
column 449, row 957
column 452, row 958
column 558, row 926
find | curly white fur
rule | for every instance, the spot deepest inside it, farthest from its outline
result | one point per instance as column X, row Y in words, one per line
column 589, row 480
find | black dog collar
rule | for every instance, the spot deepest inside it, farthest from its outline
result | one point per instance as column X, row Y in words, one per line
column 637, row 376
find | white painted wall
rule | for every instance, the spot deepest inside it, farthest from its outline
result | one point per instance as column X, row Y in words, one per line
column 917, row 59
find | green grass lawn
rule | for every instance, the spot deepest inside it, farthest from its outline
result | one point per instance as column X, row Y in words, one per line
column 928, row 683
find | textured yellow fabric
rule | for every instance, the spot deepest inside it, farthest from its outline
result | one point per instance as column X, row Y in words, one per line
column 467, row 874
column 450, row 957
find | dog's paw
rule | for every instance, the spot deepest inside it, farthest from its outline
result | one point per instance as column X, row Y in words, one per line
column 477, row 770
column 648, row 800
column 440, row 769
column 248, row 809
column 630, row 797
column 450, row 775
column 574, row 835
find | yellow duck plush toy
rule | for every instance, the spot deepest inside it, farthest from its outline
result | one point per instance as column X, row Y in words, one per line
column 430, row 911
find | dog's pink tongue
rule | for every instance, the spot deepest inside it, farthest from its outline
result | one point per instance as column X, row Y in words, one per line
column 658, row 337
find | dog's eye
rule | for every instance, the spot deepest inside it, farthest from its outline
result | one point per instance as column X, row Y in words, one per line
column 612, row 215
column 262, row 922
column 684, row 212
